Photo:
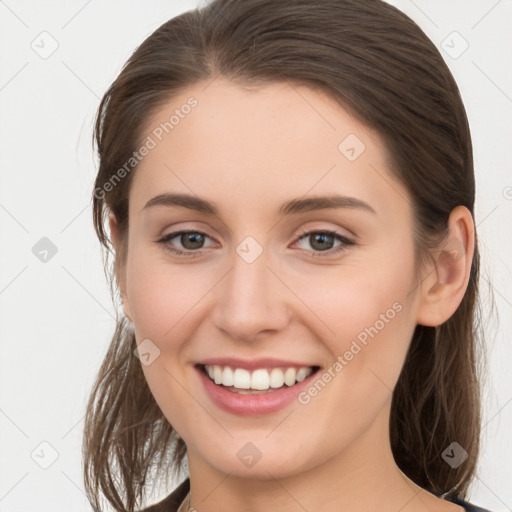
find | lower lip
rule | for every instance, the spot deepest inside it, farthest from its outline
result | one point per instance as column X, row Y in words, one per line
column 252, row 405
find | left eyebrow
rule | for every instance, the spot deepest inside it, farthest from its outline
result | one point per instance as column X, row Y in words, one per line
column 291, row 207
column 324, row 203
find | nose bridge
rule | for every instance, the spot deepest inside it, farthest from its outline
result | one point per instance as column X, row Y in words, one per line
column 250, row 298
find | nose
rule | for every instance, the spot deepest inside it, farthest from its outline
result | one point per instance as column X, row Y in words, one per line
column 251, row 299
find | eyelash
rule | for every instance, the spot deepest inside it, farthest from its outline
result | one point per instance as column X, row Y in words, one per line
column 317, row 254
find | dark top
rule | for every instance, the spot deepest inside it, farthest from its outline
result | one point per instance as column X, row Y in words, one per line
column 174, row 500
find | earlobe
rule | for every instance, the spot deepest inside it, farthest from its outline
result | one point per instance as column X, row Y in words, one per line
column 443, row 289
column 119, row 266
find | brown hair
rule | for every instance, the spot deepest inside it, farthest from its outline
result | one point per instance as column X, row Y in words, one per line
column 380, row 66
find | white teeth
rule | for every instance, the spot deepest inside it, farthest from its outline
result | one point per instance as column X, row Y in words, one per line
column 241, row 379
column 289, row 376
column 276, row 378
column 260, row 379
column 302, row 373
column 227, row 376
column 217, row 374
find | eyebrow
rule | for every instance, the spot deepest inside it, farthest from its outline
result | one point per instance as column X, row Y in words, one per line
column 291, row 207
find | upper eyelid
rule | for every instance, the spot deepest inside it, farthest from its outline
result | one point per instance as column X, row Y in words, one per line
column 333, row 231
column 345, row 231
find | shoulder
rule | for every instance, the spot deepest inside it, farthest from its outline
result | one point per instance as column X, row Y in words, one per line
column 466, row 505
column 172, row 502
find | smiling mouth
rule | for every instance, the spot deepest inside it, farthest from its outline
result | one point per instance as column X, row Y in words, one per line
column 259, row 381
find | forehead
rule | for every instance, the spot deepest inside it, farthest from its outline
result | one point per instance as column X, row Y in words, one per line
column 274, row 141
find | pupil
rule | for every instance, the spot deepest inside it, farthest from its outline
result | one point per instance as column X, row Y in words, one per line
column 194, row 237
column 321, row 237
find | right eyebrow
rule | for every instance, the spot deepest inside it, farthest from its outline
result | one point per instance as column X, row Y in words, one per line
column 183, row 200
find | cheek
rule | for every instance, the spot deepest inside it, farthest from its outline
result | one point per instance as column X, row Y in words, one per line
column 359, row 304
column 161, row 295
column 368, row 352
column 164, row 302
column 370, row 320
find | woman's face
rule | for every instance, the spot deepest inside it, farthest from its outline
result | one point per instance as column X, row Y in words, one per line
column 256, row 289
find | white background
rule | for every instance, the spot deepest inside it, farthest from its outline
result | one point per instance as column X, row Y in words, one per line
column 57, row 317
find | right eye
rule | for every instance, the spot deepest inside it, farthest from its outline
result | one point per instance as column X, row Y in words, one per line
column 190, row 240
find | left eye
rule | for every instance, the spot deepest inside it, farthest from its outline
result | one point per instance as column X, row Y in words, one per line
column 320, row 240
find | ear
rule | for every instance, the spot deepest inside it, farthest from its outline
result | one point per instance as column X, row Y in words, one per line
column 443, row 289
column 119, row 266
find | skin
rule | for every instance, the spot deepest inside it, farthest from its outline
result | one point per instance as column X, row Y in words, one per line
column 250, row 149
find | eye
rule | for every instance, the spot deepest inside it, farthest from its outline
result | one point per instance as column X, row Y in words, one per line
column 191, row 241
column 322, row 240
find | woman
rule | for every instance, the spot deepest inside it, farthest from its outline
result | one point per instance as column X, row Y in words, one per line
column 289, row 189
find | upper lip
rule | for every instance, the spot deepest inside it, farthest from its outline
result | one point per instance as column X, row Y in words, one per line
column 253, row 364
